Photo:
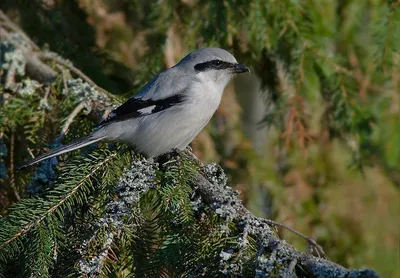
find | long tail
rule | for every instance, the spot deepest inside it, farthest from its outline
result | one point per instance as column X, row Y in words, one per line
column 64, row 149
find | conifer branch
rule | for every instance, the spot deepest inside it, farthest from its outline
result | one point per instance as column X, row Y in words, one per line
column 56, row 205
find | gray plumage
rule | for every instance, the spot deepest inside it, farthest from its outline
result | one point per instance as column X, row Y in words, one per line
column 170, row 110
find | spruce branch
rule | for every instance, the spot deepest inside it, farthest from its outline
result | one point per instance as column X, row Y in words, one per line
column 69, row 189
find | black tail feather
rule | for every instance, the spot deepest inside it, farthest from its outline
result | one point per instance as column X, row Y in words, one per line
column 63, row 149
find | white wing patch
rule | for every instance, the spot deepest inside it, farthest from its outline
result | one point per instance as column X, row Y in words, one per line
column 147, row 110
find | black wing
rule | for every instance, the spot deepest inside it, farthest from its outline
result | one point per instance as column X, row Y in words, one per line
column 135, row 108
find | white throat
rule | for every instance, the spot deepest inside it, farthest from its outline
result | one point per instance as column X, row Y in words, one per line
column 216, row 83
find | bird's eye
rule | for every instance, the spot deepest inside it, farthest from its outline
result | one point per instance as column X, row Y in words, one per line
column 217, row 63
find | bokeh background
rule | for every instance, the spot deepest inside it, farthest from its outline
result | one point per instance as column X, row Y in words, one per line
column 311, row 138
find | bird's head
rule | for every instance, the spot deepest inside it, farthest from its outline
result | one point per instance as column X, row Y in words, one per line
column 212, row 65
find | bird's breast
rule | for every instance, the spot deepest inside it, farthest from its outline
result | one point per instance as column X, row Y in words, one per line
column 205, row 97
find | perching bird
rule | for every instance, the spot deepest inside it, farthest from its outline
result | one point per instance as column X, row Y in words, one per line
column 170, row 110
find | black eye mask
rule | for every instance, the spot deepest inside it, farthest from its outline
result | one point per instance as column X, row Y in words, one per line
column 213, row 65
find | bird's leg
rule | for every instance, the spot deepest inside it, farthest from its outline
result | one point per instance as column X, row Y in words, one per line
column 164, row 158
column 177, row 152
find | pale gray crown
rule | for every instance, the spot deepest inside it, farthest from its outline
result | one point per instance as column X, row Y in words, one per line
column 203, row 55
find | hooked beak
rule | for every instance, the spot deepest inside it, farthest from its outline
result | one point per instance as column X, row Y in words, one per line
column 238, row 68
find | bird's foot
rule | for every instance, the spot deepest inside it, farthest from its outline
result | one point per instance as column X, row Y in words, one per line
column 164, row 158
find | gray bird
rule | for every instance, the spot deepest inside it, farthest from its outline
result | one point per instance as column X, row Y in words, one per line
column 170, row 110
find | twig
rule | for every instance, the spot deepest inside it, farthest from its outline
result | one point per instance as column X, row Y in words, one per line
column 70, row 119
column 319, row 249
column 387, row 40
column 10, row 76
column 46, row 56
column 12, row 174
column 64, row 78
column 291, row 267
column 38, row 70
column 30, row 152
column 337, row 67
column 45, row 102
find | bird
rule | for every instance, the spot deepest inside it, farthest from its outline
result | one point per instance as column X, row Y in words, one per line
column 169, row 111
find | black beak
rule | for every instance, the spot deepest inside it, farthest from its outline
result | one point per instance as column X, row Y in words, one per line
column 238, row 68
